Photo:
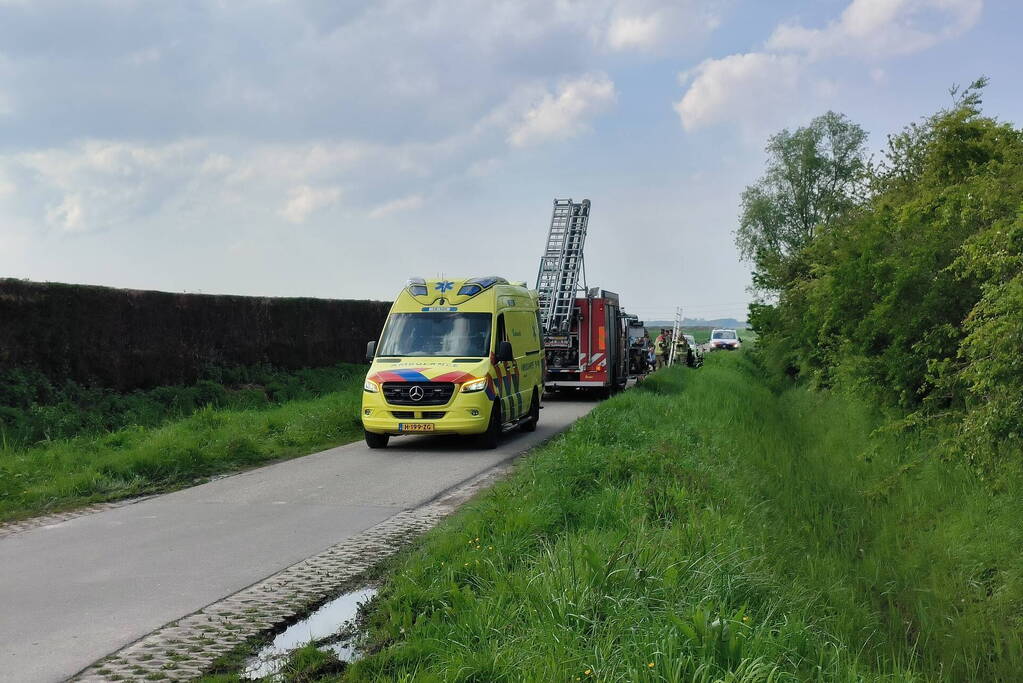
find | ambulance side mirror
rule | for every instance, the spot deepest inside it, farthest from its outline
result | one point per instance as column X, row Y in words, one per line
column 371, row 350
column 504, row 352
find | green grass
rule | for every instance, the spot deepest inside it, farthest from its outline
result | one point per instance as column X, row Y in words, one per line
column 708, row 526
column 34, row 408
column 701, row 335
column 133, row 460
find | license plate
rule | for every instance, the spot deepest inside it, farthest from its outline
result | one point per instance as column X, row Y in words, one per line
column 415, row 427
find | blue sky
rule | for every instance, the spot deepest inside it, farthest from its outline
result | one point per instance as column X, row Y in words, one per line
column 333, row 149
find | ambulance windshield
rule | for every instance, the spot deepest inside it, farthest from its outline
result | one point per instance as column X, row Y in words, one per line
column 436, row 334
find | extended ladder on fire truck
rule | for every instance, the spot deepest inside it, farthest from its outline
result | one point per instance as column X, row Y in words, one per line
column 676, row 330
column 557, row 283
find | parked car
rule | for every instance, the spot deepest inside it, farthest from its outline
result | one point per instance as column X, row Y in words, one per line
column 695, row 357
column 724, row 340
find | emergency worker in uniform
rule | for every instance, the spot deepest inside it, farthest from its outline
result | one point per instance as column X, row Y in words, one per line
column 682, row 350
column 661, row 349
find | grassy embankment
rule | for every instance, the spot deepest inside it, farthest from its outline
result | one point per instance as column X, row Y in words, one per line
column 708, row 526
column 63, row 447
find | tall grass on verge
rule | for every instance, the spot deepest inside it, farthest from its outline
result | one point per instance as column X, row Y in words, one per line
column 35, row 408
column 706, row 526
column 133, row 460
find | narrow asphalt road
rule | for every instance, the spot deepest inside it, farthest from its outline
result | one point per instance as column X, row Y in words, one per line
column 73, row 592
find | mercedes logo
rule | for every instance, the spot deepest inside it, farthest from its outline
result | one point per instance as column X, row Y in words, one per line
column 416, row 393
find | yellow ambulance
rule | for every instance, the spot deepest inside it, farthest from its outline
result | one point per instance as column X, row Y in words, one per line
column 456, row 357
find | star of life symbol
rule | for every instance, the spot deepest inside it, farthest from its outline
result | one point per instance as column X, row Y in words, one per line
column 444, row 286
column 416, row 393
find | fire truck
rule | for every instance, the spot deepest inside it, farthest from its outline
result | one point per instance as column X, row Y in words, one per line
column 586, row 339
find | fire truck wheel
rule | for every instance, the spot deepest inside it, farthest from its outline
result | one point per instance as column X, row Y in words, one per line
column 376, row 440
column 534, row 414
column 490, row 438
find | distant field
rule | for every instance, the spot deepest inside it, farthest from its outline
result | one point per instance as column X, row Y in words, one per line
column 702, row 334
column 170, row 437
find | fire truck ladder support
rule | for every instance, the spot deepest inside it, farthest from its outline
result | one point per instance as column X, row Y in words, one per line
column 675, row 332
column 558, row 280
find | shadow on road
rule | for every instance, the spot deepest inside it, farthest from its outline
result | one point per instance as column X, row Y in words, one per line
column 468, row 444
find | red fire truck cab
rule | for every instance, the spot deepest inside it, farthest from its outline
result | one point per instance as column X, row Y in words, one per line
column 594, row 354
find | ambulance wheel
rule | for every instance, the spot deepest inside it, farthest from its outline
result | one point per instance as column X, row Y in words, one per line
column 377, row 440
column 490, row 438
column 534, row 414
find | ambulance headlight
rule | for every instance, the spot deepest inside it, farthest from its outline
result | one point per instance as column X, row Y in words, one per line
column 474, row 385
column 370, row 387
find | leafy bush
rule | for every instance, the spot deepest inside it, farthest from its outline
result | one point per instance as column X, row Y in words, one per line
column 913, row 293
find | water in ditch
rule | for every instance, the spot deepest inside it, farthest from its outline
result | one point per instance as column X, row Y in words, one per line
column 327, row 621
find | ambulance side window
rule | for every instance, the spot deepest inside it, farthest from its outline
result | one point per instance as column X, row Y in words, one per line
column 523, row 333
column 502, row 333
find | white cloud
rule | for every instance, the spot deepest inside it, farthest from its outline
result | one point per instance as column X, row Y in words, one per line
column 409, row 203
column 757, row 89
column 230, row 126
column 876, row 29
column 304, row 200
column 98, row 184
column 744, row 88
column 484, row 167
column 209, row 71
column 565, row 113
column 634, row 32
column 657, row 25
column 68, row 215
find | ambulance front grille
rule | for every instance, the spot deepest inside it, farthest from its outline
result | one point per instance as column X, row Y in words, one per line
column 433, row 393
column 423, row 415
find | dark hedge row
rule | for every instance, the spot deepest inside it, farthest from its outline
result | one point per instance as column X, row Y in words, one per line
column 129, row 339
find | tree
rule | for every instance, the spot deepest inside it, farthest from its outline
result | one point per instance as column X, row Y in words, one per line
column 814, row 175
